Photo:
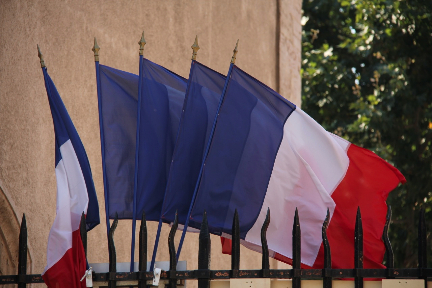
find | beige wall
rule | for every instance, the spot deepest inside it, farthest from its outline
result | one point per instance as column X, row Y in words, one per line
column 269, row 49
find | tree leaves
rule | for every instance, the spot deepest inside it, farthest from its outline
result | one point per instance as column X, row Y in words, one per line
column 367, row 76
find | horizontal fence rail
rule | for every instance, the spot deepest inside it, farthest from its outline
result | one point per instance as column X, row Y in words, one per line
column 204, row 275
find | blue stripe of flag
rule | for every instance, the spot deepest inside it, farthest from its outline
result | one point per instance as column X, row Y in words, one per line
column 161, row 104
column 118, row 109
column 201, row 103
column 238, row 167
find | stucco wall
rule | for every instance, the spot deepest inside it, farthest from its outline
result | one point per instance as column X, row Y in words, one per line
column 269, row 49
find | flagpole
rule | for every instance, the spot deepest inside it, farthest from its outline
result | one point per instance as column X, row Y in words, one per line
column 207, row 149
column 95, row 50
column 195, row 47
column 142, row 42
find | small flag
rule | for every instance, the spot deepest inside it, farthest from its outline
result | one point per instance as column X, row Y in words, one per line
column 66, row 262
column 268, row 153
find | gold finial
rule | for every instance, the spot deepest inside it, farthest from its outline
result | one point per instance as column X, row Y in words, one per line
column 235, row 53
column 142, row 42
column 195, row 48
column 96, row 49
column 41, row 57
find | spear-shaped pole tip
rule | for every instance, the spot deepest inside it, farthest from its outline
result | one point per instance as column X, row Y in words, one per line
column 40, row 57
column 195, row 47
column 96, row 49
column 235, row 53
column 142, row 42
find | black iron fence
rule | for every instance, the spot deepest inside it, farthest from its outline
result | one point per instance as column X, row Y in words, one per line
column 204, row 275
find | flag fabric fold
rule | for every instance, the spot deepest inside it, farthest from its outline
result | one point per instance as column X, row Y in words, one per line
column 160, row 107
column 268, row 153
column 118, row 106
column 163, row 96
column 66, row 261
column 199, row 110
column 160, row 104
column 367, row 183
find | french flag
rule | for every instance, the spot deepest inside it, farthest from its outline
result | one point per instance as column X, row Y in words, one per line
column 66, row 261
column 268, row 153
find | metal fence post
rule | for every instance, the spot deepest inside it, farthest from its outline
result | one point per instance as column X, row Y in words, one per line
column 296, row 251
column 22, row 254
column 265, row 252
column 142, row 264
column 112, row 255
column 235, row 248
column 358, row 251
column 83, row 232
column 172, row 254
column 388, row 247
column 422, row 246
column 327, row 277
column 204, row 254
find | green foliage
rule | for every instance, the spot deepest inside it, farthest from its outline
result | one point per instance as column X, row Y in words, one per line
column 367, row 76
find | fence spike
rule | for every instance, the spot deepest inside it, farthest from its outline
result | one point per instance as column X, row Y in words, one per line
column 422, row 240
column 327, row 251
column 142, row 265
column 386, row 240
column 22, row 254
column 83, row 232
column 327, row 279
column 172, row 254
column 296, row 251
column 235, row 248
column 422, row 246
column 204, row 252
column 358, row 253
column 112, row 254
column 265, row 251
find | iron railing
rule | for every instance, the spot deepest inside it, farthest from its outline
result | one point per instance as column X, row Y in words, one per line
column 204, row 274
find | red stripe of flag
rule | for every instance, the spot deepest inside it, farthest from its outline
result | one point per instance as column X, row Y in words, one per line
column 367, row 183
